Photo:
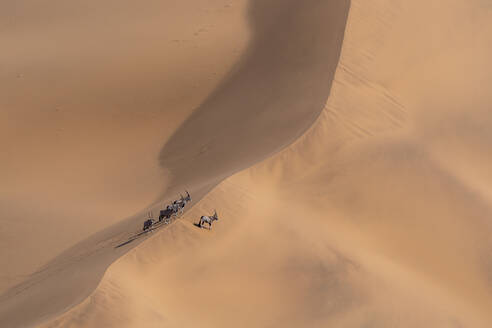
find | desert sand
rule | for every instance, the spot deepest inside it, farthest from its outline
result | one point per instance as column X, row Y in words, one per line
column 345, row 146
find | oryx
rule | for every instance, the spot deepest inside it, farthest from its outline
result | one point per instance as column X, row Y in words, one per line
column 167, row 213
column 149, row 222
column 208, row 219
column 181, row 203
column 175, row 207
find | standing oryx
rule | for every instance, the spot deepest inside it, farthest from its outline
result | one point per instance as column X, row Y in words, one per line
column 208, row 219
column 149, row 222
column 175, row 208
column 181, row 203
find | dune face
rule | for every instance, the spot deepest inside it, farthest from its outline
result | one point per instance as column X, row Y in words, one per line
column 378, row 216
column 132, row 80
column 90, row 93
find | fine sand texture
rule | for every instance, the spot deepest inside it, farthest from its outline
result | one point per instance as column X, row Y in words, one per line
column 378, row 216
column 91, row 93
column 113, row 109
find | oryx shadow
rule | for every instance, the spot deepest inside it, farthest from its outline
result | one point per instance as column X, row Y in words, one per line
column 125, row 243
column 197, row 225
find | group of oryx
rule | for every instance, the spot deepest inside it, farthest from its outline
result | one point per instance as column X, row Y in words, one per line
column 175, row 209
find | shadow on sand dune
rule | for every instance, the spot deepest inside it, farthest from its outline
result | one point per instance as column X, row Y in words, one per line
column 275, row 93
column 272, row 97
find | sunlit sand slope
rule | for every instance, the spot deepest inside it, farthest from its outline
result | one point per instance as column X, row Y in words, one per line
column 276, row 89
column 379, row 216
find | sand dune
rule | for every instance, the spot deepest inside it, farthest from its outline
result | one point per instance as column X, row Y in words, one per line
column 90, row 95
column 254, row 87
column 377, row 216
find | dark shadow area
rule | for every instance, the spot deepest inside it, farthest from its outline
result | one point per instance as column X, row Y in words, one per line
column 272, row 97
column 125, row 243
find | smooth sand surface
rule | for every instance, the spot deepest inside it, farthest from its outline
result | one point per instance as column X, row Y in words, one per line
column 379, row 216
column 91, row 160
column 91, row 93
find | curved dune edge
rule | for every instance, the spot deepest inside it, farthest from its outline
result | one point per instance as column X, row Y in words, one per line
column 71, row 277
column 377, row 216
